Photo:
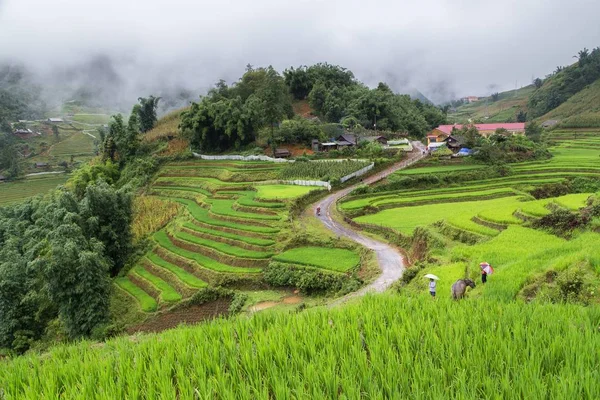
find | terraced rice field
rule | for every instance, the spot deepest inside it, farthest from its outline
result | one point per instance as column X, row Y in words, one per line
column 13, row 192
column 476, row 206
column 496, row 213
column 76, row 144
column 229, row 228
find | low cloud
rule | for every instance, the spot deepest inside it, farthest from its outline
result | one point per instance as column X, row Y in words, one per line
column 442, row 48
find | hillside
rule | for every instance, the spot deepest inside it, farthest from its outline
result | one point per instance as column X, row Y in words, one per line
column 580, row 111
column 505, row 109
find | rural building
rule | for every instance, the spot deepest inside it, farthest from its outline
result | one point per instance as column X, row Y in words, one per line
column 470, row 99
column 41, row 165
column 2, row 178
column 455, row 142
column 282, row 153
column 436, row 146
column 442, row 132
column 55, row 120
column 350, row 139
column 549, row 123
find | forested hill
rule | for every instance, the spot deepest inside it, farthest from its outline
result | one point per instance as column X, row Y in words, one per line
column 261, row 101
column 569, row 94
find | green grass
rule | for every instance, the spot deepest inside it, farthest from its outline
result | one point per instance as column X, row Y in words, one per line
column 147, row 303
column 246, row 198
column 202, row 215
column 76, row 144
column 223, row 247
column 439, row 169
column 183, row 188
column 224, row 207
column 283, row 192
column 383, row 347
column 94, row 119
column 163, row 240
column 406, row 219
column 184, row 276
column 12, row 192
column 167, row 292
column 340, row 260
column 233, row 236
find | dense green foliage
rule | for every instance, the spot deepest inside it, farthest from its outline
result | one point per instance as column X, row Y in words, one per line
column 336, row 95
column 146, row 112
column 386, row 346
column 19, row 97
column 231, row 116
column 565, row 83
column 56, row 256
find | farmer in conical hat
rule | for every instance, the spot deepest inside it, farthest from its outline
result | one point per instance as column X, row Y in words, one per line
column 485, row 270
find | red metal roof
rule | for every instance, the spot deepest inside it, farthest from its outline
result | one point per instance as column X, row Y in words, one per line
column 515, row 126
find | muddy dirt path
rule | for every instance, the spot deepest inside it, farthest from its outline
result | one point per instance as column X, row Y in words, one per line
column 390, row 260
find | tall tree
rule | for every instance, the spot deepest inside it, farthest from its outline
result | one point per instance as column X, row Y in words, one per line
column 147, row 112
column 274, row 97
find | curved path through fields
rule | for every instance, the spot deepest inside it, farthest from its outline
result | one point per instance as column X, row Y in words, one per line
column 390, row 260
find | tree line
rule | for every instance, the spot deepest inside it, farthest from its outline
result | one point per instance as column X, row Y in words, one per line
column 260, row 104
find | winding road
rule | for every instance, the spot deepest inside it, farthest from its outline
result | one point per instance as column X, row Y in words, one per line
column 390, row 260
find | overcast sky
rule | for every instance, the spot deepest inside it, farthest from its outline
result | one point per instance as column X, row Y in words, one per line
column 444, row 48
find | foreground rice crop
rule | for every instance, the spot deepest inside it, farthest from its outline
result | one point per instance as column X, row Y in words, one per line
column 384, row 347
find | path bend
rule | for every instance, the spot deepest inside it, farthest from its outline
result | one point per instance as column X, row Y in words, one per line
column 390, row 260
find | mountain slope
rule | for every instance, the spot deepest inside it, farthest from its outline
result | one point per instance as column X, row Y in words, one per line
column 581, row 110
column 504, row 109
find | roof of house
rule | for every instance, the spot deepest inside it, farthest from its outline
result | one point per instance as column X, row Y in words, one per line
column 285, row 151
column 373, row 138
column 329, row 144
column 347, row 137
column 2, row 178
column 41, row 164
column 513, row 126
column 55, row 119
column 550, row 122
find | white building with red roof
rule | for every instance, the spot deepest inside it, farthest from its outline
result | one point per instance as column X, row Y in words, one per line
column 442, row 132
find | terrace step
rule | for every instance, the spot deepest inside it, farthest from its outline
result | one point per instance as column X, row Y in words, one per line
column 144, row 285
column 221, row 257
column 168, row 277
column 147, row 303
column 188, row 265
column 524, row 217
column 166, row 292
column 189, row 229
column 233, row 230
column 489, row 224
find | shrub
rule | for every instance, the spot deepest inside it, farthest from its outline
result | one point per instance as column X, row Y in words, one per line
column 307, row 280
column 239, row 299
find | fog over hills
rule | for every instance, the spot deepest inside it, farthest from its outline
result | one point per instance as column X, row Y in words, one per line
column 113, row 51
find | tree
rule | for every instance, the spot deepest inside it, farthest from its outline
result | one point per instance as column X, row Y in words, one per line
column 55, row 132
column 533, row 131
column 76, row 278
column 299, row 82
column 521, row 116
column 147, row 112
column 274, row 97
column 537, row 82
column 106, row 215
column 495, row 96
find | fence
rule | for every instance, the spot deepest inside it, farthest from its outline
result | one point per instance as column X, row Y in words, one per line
column 242, row 158
column 360, row 172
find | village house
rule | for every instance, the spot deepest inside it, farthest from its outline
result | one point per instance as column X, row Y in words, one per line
column 442, row 132
column 55, row 120
column 470, row 99
column 2, row 179
column 41, row 165
column 282, row 153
